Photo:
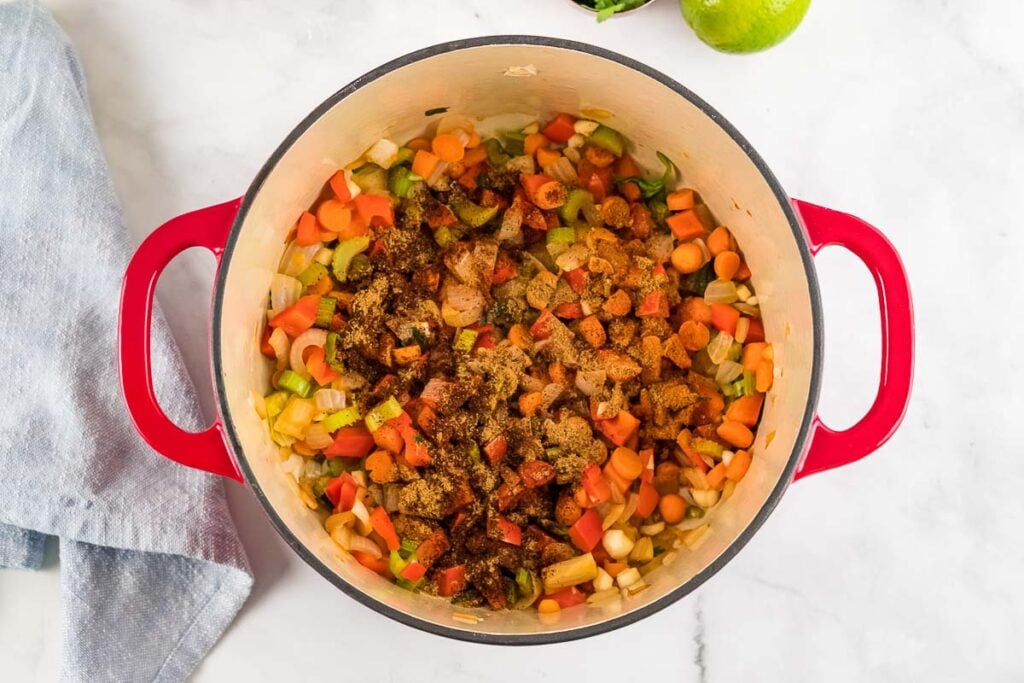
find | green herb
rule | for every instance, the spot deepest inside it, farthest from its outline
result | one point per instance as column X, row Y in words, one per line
column 295, row 383
column 606, row 8
column 435, row 110
column 409, row 546
column 652, row 188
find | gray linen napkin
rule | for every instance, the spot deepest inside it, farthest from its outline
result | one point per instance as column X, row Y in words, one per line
column 152, row 570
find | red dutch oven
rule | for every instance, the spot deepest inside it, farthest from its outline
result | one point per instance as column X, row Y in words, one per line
column 496, row 80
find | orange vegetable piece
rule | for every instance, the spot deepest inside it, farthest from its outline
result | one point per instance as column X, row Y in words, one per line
column 719, row 240
column 339, row 185
column 724, row 317
column 685, row 225
column 448, row 148
column 626, row 463
column 530, row 402
column 752, row 354
column 474, row 156
column 738, row 466
column 672, row 508
column 308, row 230
column 619, row 429
column 763, row 375
column 381, row 467
column 424, row 162
column 694, row 335
column 680, row 200
column 298, row 317
column 334, row 215
column 745, row 409
column 727, row 264
column 546, row 157
column 735, row 433
column 696, row 309
column 716, row 476
column 533, row 142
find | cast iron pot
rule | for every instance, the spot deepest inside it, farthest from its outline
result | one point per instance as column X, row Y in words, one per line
column 488, row 77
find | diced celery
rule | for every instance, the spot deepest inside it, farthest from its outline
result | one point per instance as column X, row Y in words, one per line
column 409, row 546
column 514, row 143
column 343, row 418
column 325, row 312
column 465, row 340
column 344, row 252
column 474, row 215
column 708, row 447
column 295, row 383
column 405, row 155
column 496, row 156
column 331, row 352
column 735, row 351
column 561, row 235
column 577, row 199
column 444, row 236
column 400, row 181
column 608, row 139
column 382, row 412
column 275, row 403
column 313, row 274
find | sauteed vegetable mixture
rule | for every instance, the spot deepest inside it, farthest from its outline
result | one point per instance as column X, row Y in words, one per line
column 514, row 371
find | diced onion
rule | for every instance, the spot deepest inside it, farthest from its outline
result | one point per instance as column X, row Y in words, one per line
column 511, row 222
column 563, row 171
column 585, row 127
column 549, row 394
column 743, row 292
column 617, row 543
column 342, row 536
column 311, row 337
column 329, row 400
column 575, row 141
column 652, row 529
column 284, row 291
column 349, row 381
column 727, row 457
column 630, row 507
column 747, row 309
column 453, row 122
column 612, row 516
column 360, row 511
column 705, row 499
column 359, row 476
column 742, row 328
column 462, row 305
column 590, row 382
column 703, row 249
column 660, row 246
column 573, row 153
column 297, row 258
column 728, row 371
column 383, row 153
column 628, row 577
column 317, row 437
column 603, row 581
column 282, row 345
column 530, row 129
column 720, row 292
column 522, row 164
column 324, row 256
column 719, row 347
column 574, row 257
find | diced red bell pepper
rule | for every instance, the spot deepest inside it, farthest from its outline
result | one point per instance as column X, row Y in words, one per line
column 532, row 183
column 597, row 487
column 560, row 128
column 648, row 500
column 346, row 488
column 375, row 209
column 298, row 317
column 322, row 372
column 658, row 271
column 755, row 333
column 414, row 571
column 265, row 348
column 504, row 269
column 541, row 327
column 577, row 279
column 333, row 490
column 308, row 232
column 586, row 532
column 510, row 532
column 468, row 177
column 647, row 458
column 378, row 248
column 378, row 565
column 619, row 429
column 724, row 317
column 451, row 580
column 654, row 305
column 381, row 523
column 496, row 449
column 568, row 597
column 536, row 473
column 350, row 442
column 568, row 310
column 340, row 186
column 416, row 452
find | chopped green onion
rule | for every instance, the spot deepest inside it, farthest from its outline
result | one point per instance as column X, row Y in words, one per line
column 348, row 415
column 608, row 139
column 312, row 275
column 331, row 352
column 325, row 312
column 274, row 403
column 381, row 413
column 495, row 154
column 574, row 204
column 561, row 235
column 465, row 340
column 444, row 236
column 474, row 215
column 400, row 181
column 344, row 252
column 295, row 383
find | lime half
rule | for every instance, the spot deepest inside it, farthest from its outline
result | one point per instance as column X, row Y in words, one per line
column 743, row 25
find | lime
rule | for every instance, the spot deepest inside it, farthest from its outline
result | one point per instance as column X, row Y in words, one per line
column 743, row 25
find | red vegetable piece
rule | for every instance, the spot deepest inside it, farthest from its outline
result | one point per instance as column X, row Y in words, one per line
column 654, row 305
column 510, row 532
column 265, row 348
column 451, row 580
column 375, row 209
column 496, row 450
column 322, row 372
column 755, row 333
column 648, row 500
column 340, row 187
column 378, row 565
column 569, row 311
column 536, row 473
column 308, row 232
column 541, row 328
column 586, row 533
column 594, row 483
column 298, row 317
column 381, row 523
column 577, row 279
column 724, row 317
column 619, row 429
column 350, row 442
column 560, row 128
column 414, row 571
column 568, row 597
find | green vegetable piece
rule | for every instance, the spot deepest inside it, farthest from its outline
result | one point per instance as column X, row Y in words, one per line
column 312, row 275
column 344, row 252
column 653, row 188
column 659, row 211
column 745, row 385
column 465, row 340
column 371, row 178
column 382, row 412
column 396, row 563
column 400, row 181
column 275, row 403
column 331, row 354
column 577, row 200
column 694, row 512
column 735, row 351
column 561, row 235
column 348, row 415
column 409, row 546
column 608, row 139
column 405, row 155
column 295, row 383
column 708, row 447
column 325, row 312
column 699, row 281
column 360, row 267
column 335, row 466
column 496, row 156
column 474, row 215
column 514, row 143
column 444, row 236
column 474, row 454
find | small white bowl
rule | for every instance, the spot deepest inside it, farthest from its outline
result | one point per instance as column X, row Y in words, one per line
column 617, row 14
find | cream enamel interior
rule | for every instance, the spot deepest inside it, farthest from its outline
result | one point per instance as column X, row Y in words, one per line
column 532, row 81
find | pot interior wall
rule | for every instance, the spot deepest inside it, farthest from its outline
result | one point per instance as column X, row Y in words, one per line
column 531, row 81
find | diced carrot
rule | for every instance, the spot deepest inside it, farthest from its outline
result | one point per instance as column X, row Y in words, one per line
column 680, row 200
column 381, row 523
column 448, row 148
column 626, row 463
column 474, row 156
column 672, row 508
column 745, row 409
column 334, row 215
column 716, row 476
column 763, row 375
column 378, row 565
column 530, row 402
column 519, row 336
column 308, row 230
column 381, row 467
column 546, row 157
column 533, row 142
column 738, row 466
column 620, row 428
column 727, row 264
column 323, row 373
column 560, row 128
column 339, row 184
column 648, row 500
column 719, row 240
column 626, row 167
column 424, row 162
column 685, row 441
column 685, row 225
column 752, row 354
column 593, row 331
column 468, row 178
column 735, row 433
column 724, row 317
column 417, row 144
column 375, row 209
column 298, row 317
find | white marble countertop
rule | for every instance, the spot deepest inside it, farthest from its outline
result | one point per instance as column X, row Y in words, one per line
column 910, row 114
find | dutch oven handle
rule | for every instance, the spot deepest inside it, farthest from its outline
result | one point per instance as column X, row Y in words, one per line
column 208, row 228
column 830, row 448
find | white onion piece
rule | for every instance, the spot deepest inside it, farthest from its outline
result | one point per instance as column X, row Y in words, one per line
column 718, row 349
column 590, row 382
column 631, row 504
column 511, row 222
column 660, row 246
column 279, row 341
column 359, row 476
column 612, row 516
column 311, row 469
column 297, row 258
column 747, row 309
column 343, row 537
column 563, row 171
column 284, row 291
column 603, row 581
column 317, row 437
column 329, row 400
column 360, row 511
column 383, row 153
column 728, row 371
column 703, row 249
column 572, row 153
column 617, row 543
column 461, row 305
column 522, row 164
column 575, row 256
column 549, row 395
column 364, row 545
column 720, row 292
column 311, row 337
column 324, row 256
column 453, row 122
